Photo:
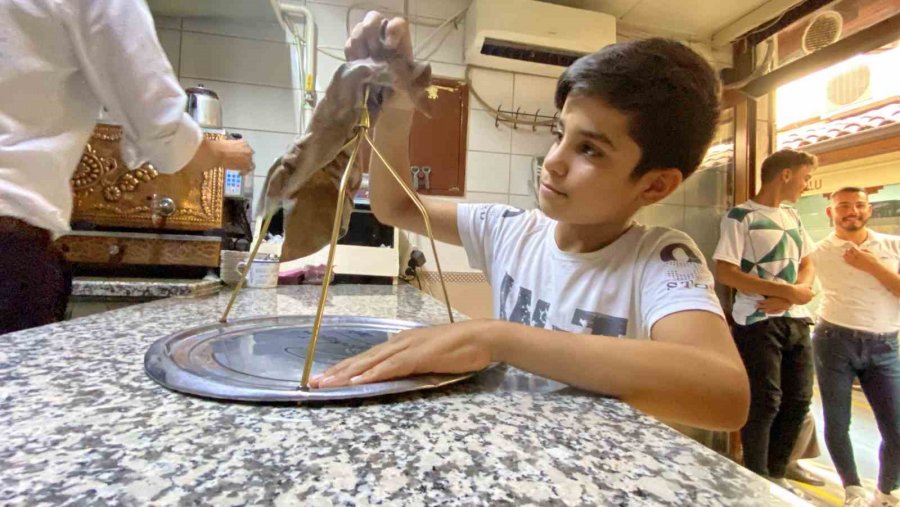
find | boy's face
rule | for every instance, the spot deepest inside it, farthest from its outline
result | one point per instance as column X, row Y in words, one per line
column 795, row 181
column 587, row 172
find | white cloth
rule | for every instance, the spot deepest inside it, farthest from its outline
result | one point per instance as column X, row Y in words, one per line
column 622, row 289
column 766, row 242
column 851, row 297
column 60, row 60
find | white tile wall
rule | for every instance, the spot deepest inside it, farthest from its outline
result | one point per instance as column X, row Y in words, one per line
column 442, row 9
column 495, row 87
column 533, row 93
column 330, row 20
column 535, row 143
column 327, row 64
column 167, row 22
column 701, row 223
column 252, row 107
column 235, row 60
column 170, row 40
column 258, row 187
column 448, row 70
column 446, row 47
column 489, row 172
column 485, row 136
column 380, row 5
column 520, row 175
column 244, row 29
column 522, row 201
column 707, row 188
column 267, row 146
column 487, row 197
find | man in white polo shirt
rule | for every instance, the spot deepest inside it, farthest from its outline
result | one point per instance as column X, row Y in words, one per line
column 856, row 336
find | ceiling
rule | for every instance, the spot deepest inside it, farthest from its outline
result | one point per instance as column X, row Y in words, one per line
column 260, row 10
column 695, row 19
column 700, row 20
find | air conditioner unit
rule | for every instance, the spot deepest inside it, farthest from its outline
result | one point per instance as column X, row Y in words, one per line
column 533, row 37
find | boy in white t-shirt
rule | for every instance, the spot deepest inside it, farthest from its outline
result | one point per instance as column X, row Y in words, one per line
column 764, row 253
column 572, row 280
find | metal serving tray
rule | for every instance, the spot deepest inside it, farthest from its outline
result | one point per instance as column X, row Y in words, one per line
column 261, row 359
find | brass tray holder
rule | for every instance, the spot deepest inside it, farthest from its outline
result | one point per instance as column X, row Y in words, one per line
column 361, row 133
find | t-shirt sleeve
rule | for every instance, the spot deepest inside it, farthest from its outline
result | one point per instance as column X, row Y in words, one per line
column 123, row 62
column 732, row 233
column 675, row 279
column 480, row 227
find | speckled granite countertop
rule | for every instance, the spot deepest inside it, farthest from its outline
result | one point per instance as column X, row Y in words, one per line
column 143, row 287
column 82, row 424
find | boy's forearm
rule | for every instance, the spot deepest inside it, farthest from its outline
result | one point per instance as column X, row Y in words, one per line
column 392, row 140
column 751, row 284
column 667, row 380
column 806, row 274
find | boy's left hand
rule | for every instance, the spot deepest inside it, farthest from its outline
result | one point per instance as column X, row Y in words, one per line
column 451, row 348
column 774, row 304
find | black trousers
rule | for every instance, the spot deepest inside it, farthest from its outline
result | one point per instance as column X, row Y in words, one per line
column 35, row 280
column 778, row 356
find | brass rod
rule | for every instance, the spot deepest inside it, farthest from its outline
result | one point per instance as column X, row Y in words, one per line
column 262, row 235
column 329, row 265
column 415, row 199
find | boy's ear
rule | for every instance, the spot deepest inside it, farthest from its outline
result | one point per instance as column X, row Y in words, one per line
column 786, row 175
column 828, row 212
column 659, row 184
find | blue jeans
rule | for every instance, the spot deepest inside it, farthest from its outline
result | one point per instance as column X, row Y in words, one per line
column 841, row 354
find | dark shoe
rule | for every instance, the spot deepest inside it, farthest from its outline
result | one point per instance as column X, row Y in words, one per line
column 795, row 472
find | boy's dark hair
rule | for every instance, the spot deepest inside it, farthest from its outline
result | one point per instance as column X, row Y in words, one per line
column 855, row 190
column 782, row 159
column 669, row 92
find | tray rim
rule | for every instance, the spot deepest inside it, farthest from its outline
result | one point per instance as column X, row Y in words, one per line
column 156, row 359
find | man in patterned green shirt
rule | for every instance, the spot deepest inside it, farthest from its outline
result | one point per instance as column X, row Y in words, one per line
column 763, row 252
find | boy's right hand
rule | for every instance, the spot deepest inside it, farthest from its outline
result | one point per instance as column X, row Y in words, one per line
column 366, row 42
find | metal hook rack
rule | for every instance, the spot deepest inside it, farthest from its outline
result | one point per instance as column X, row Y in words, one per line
column 518, row 117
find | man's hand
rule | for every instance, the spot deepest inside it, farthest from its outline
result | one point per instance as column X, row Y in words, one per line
column 861, row 259
column 234, row 154
column 801, row 294
column 228, row 153
column 452, row 348
column 774, row 305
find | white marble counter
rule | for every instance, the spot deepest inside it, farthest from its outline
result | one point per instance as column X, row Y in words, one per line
column 83, row 424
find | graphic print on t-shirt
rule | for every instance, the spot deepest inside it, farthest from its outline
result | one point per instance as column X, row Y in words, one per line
column 534, row 313
column 772, row 250
column 684, row 269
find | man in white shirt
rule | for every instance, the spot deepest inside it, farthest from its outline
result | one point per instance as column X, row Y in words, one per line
column 60, row 61
column 856, row 336
column 763, row 252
